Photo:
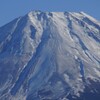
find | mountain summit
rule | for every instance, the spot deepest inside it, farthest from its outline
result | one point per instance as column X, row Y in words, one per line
column 50, row 56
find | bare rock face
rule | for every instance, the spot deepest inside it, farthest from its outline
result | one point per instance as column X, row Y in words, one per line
column 50, row 56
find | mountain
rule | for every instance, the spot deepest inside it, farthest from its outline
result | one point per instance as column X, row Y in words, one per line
column 50, row 56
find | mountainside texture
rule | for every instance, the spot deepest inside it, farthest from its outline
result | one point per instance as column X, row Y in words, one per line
column 50, row 56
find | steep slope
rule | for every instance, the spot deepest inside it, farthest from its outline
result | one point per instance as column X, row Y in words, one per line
column 50, row 56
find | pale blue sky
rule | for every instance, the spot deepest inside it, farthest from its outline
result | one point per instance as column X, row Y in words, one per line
column 10, row 9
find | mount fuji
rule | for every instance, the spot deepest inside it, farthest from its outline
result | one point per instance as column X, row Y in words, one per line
column 50, row 56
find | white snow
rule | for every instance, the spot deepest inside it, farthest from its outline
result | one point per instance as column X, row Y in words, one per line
column 49, row 44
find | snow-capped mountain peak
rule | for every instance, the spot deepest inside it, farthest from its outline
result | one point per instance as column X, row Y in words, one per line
column 49, row 56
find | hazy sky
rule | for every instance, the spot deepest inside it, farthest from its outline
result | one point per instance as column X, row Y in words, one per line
column 10, row 9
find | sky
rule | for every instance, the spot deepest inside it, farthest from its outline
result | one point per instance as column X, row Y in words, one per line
column 11, row 9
